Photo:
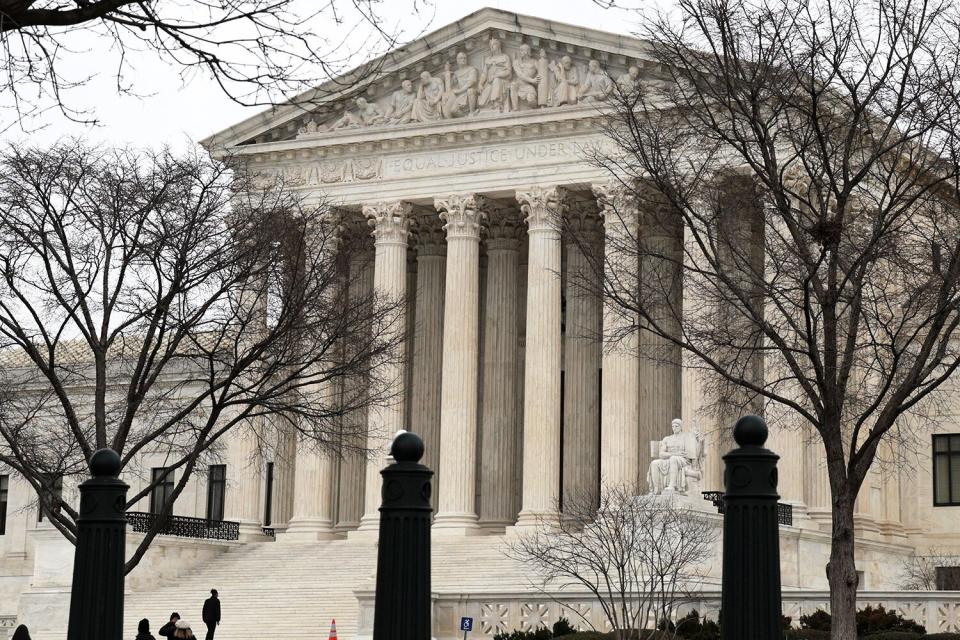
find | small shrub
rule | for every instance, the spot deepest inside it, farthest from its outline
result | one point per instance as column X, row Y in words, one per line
column 589, row 635
column 893, row 635
column 562, row 628
column 942, row 636
column 539, row 634
column 872, row 620
column 806, row 634
column 817, row 621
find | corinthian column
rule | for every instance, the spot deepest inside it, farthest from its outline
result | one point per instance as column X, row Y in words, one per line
column 428, row 343
column 582, row 351
column 661, row 291
column 543, row 209
column 462, row 215
column 391, row 228
column 352, row 470
column 619, row 395
column 498, row 456
column 315, row 471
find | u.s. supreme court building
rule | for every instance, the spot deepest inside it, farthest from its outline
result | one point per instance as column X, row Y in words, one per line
column 452, row 161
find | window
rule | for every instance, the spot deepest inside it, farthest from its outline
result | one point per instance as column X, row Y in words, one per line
column 948, row 578
column 162, row 479
column 51, row 492
column 946, row 470
column 268, row 510
column 216, row 489
column 4, row 493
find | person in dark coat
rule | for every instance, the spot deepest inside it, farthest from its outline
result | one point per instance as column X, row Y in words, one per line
column 143, row 630
column 211, row 613
column 22, row 633
column 168, row 629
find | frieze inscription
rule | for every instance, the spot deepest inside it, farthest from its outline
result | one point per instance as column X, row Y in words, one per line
column 480, row 158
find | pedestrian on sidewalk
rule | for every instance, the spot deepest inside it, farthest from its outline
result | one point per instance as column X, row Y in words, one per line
column 184, row 632
column 170, row 628
column 211, row 613
column 143, row 630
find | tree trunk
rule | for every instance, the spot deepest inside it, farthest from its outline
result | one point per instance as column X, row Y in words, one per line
column 842, row 572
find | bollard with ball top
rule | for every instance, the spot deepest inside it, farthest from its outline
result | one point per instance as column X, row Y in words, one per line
column 751, row 599
column 402, row 604
column 96, row 596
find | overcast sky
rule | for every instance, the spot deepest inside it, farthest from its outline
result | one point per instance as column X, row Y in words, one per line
column 181, row 113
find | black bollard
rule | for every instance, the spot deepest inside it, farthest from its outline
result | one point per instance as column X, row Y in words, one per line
column 751, row 602
column 402, row 605
column 96, row 597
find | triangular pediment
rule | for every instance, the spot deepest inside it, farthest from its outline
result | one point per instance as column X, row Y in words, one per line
column 492, row 65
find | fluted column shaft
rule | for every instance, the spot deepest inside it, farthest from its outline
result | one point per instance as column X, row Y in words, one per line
column 391, row 228
column 284, row 472
column 500, row 423
column 462, row 215
column 816, row 487
column 582, row 352
column 661, row 290
column 245, row 480
column 543, row 210
column 619, row 393
column 428, row 345
column 352, row 468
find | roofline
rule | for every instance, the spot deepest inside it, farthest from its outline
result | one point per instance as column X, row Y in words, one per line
column 391, row 61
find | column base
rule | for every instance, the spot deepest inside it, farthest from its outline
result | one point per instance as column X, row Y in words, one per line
column 308, row 530
column 529, row 520
column 369, row 528
column 252, row 532
column 456, row 524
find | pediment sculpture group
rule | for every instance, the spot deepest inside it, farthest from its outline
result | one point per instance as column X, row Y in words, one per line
column 503, row 84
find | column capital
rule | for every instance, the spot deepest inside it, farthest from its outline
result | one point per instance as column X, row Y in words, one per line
column 431, row 240
column 503, row 229
column 462, row 214
column 543, row 207
column 390, row 221
column 585, row 225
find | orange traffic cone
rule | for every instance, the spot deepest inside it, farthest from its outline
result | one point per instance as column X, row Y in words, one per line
column 333, row 630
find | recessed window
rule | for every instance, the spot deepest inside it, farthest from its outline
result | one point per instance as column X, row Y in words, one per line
column 51, row 492
column 162, row 479
column 4, row 493
column 946, row 470
column 948, row 578
column 216, row 491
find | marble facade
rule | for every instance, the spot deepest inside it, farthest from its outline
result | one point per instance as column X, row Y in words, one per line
column 458, row 159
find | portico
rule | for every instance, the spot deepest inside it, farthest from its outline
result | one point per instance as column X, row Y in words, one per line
column 469, row 166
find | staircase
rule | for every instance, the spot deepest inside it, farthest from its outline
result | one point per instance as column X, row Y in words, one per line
column 291, row 591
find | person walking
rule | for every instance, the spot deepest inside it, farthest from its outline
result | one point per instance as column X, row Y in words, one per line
column 184, row 632
column 143, row 630
column 211, row 613
column 168, row 629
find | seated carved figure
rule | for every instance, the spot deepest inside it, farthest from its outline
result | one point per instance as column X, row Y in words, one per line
column 678, row 459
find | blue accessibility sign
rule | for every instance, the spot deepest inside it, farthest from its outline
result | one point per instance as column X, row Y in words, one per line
column 466, row 624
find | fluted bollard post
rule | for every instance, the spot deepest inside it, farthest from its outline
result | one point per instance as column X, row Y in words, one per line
column 402, row 605
column 96, row 597
column 751, row 602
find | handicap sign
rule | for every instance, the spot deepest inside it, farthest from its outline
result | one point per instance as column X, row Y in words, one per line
column 466, row 624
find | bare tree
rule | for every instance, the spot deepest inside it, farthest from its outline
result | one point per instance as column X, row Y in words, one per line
column 153, row 303
column 640, row 556
column 919, row 572
column 809, row 151
column 257, row 51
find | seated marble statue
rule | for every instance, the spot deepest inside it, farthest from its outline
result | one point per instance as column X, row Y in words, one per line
column 678, row 459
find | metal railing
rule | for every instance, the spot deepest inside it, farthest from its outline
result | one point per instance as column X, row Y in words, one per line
column 270, row 532
column 184, row 527
column 784, row 511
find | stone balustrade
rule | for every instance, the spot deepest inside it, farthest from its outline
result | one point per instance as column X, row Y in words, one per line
column 496, row 612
